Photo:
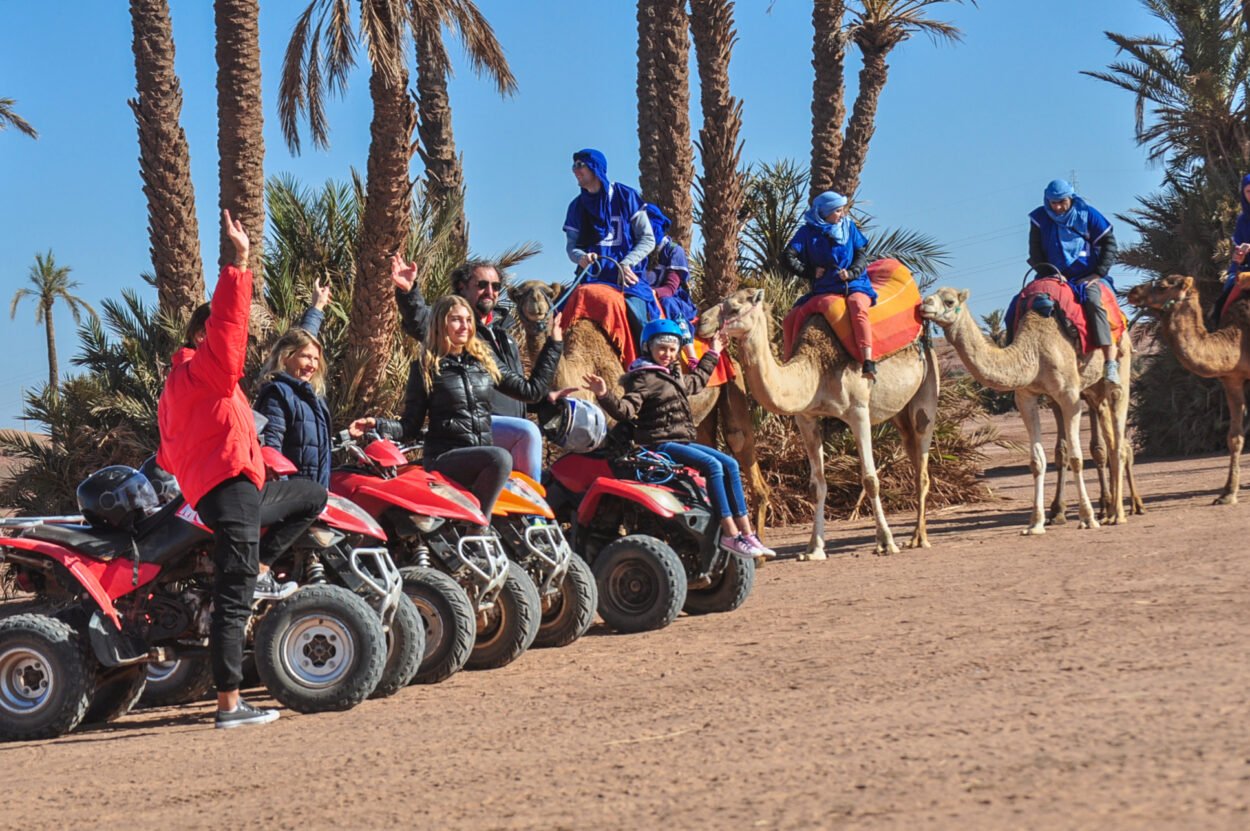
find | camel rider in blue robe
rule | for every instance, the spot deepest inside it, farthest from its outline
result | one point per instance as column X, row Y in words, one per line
column 607, row 219
column 1070, row 238
column 668, row 273
column 1241, row 248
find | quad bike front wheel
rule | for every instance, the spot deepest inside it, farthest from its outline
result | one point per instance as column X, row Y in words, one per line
column 570, row 612
column 507, row 629
column 405, row 647
column 46, row 678
column 728, row 591
column 320, row 649
column 642, row 585
column 177, row 681
column 447, row 618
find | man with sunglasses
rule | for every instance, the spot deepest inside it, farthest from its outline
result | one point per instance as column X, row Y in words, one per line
column 479, row 282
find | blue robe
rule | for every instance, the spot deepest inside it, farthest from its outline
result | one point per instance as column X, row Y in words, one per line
column 669, row 256
column 1073, row 248
column 820, row 251
column 611, row 209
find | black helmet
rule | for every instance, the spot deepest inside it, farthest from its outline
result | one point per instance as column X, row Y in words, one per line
column 116, row 497
column 163, row 482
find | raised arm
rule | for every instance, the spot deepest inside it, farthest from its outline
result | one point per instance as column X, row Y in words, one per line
column 414, row 314
column 219, row 359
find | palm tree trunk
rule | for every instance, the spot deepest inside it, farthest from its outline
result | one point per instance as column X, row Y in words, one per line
column 828, row 92
column 444, row 176
column 165, row 161
column 240, row 128
column 54, row 370
column 666, row 155
column 384, row 227
column 859, row 130
column 711, row 23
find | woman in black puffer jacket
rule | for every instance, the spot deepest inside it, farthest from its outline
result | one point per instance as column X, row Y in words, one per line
column 450, row 385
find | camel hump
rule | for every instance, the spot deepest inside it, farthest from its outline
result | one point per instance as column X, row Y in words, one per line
column 895, row 317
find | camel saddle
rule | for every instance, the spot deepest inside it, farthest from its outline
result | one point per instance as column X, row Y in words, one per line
column 604, row 305
column 1052, row 295
column 895, row 317
column 1240, row 289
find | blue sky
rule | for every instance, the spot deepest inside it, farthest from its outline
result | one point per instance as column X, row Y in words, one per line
column 967, row 136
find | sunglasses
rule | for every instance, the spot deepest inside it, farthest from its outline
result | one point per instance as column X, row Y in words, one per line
column 483, row 285
column 579, row 165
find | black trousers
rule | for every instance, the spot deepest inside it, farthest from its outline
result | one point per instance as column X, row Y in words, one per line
column 483, row 470
column 236, row 511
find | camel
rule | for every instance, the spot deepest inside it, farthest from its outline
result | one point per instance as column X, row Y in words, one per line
column 1222, row 354
column 587, row 350
column 1100, row 425
column 821, row 380
column 1042, row 360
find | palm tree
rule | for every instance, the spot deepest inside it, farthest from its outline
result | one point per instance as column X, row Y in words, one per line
column 711, row 24
column 877, row 27
column 240, row 127
column 165, row 161
column 319, row 64
column 444, row 175
column 8, row 118
column 828, row 91
column 51, row 284
column 666, row 155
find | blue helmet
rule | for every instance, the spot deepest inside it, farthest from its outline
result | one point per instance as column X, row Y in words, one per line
column 664, row 326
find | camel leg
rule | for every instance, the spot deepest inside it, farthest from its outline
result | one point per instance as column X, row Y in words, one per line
column 861, row 427
column 739, row 430
column 916, row 423
column 1057, row 515
column 1030, row 411
column 1099, row 429
column 1235, row 393
column 1113, row 425
column 1072, row 427
column 813, row 442
column 1139, row 507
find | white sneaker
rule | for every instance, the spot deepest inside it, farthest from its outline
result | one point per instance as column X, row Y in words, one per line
column 268, row 588
column 1111, row 372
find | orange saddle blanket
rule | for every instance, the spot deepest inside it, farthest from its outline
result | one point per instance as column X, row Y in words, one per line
column 895, row 318
column 1240, row 289
column 605, row 306
column 1064, row 298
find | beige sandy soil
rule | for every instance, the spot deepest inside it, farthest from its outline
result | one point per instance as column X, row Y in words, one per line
column 1082, row 679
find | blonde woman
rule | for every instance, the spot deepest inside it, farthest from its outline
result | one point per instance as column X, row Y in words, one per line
column 451, row 386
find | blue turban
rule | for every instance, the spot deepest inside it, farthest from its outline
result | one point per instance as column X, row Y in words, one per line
column 821, row 206
column 596, row 205
column 1059, row 189
column 659, row 223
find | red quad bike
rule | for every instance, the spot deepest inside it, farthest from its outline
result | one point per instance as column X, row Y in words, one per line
column 117, row 599
column 646, row 527
column 480, row 610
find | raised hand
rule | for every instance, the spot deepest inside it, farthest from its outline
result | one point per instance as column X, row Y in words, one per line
column 321, row 295
column 556, row 395
column 717, row 343
column 557, row 328
column 358, row 427
column 242, row 245
column 403, row 275
column 596, row 385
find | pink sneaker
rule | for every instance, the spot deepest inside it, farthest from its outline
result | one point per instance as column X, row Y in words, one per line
column 763, row 550
column 738, row 545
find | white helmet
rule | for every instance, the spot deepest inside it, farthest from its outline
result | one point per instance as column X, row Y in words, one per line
column 577, row 426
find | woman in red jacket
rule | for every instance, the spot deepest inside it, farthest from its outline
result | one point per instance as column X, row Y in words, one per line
column 209, row 443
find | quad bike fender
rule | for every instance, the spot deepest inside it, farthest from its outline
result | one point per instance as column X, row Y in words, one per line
column 103, row 581
column 657, row 500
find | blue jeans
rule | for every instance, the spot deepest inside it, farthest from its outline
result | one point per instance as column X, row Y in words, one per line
column 724, row 484
column 520, row 437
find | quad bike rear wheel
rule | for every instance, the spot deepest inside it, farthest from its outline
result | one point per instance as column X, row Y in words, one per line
column 727, row 592
column 447, row 618
column 320, row 649
column 405, row 647
column 572, row 610
column 117, row 691
column 642, row 585
column 46, row 678
column 509, row 628
column 179, row 681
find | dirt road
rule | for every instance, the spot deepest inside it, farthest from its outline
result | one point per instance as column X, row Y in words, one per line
column 1083, row 679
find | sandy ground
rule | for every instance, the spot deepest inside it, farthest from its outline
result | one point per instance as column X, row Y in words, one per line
column 1082, row 679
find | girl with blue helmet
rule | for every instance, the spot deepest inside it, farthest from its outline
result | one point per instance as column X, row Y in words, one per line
column 656, row 402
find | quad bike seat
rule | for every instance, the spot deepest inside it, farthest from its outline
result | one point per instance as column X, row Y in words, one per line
column 94, row 542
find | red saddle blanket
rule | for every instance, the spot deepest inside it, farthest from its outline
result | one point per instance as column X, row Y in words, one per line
column 895, row 318
column 1064, row 298
column 604, row 305
column 1239, row 291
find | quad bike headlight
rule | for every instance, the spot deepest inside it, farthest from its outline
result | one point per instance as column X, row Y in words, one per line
column 426, row 524
column 666, row 499
column 522, row 489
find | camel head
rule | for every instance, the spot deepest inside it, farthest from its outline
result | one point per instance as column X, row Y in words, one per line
column 533, row 300
column 737, row 314
column 1161, row 294
column 943, row 307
